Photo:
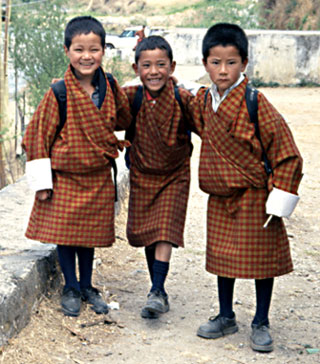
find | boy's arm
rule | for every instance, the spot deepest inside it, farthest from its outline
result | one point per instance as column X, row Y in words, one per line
column 285, row 159
column 195, row 108
column 37, row 142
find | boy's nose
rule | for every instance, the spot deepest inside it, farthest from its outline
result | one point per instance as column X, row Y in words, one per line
column 153, row 69
column 223, row 68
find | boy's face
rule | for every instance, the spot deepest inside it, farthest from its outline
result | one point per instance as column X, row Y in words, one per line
column 85, row 54
column 224, row 66
column 154, row 69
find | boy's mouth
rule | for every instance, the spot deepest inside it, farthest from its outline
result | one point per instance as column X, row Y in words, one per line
column 154, row 80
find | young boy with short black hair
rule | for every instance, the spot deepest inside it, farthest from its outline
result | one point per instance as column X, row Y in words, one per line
column 71, row 171
column 160, row 166
column 231, row 171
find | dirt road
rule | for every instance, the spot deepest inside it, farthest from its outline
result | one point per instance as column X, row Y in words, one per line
column 121, row 273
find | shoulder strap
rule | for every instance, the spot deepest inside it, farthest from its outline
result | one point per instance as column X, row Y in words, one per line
column 206, row 96
column 252, row 105
column 130, row 132
column 111, row 81
column 60, row 92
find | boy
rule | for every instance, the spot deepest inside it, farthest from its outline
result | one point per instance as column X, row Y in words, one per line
column 160, row 167
column 71, row 172
column 232, row 173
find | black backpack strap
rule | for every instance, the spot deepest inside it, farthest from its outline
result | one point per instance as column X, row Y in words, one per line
column 111, row 81
column 60, row 92
column 206, row 96
column 130, row 132
column 252, row 106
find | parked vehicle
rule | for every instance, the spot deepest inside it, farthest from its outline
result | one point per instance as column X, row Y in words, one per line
column 128, row 39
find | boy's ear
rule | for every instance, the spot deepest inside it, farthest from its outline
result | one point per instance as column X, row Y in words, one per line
column 244, row 65
column 173, row 67
column 65, row 50
column 135, row 68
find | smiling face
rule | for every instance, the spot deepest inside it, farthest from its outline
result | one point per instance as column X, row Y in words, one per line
column 154, row 69
column 224, row 66
column 85, row 54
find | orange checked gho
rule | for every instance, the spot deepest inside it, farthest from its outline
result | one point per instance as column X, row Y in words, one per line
column 160, row 169
column 232, row 172
column 81, row 210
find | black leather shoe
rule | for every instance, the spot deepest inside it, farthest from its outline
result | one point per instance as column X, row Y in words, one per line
column 93, row 297
column 71, row 301
column 217, row 327
column 260, row 339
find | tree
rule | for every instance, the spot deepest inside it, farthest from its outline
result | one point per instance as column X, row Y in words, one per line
column 37, row 30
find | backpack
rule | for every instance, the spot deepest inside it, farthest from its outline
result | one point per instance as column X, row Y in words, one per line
column 252, row 106
column 60, row 92
column 137, row 101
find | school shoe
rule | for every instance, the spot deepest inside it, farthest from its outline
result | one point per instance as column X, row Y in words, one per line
column 71, row 301
column 217, row 327
column 260, row 339
column 157, row 302
column 145, row 313
column 93, row 297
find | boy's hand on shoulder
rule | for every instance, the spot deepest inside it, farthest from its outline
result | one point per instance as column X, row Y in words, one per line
column 55, row 80
column 44, row 195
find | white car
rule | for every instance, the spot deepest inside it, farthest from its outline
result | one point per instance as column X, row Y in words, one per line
column 128, row 39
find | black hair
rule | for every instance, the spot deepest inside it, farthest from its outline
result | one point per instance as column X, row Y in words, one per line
column 151, row 43
column 225, row 34
column 83, row 25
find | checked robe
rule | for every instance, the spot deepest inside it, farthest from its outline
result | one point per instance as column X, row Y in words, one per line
column 232, row 173
column 81, row 210
column 160, row 169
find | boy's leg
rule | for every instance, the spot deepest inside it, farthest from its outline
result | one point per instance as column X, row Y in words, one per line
column 225, row 322
column 150, row 252
column 157, row 298
column 161, row 266
column 260, row 339
column 71, row 298
column 89, row 293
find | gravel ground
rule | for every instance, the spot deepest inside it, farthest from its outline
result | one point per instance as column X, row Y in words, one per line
column 121, row 273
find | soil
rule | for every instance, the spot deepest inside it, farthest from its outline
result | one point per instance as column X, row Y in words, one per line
column 122, row 336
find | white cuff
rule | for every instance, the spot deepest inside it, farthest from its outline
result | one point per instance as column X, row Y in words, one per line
column 39, row 174
column 281, row 203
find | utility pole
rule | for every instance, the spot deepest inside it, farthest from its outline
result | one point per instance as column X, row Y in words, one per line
column 2, row 169
column 4, row 85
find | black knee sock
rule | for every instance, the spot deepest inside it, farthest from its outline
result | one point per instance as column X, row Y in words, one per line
column 160, row 272
column 150, row 256
column 67, row 260
column 263, row 297
column 85, row 257
column 225, row 290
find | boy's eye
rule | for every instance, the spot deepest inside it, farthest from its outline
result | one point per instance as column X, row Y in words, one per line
column 162, row 64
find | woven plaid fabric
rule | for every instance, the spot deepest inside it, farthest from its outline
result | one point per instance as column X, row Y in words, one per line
column 160, row 170
column 81, row 211
column 232, row 173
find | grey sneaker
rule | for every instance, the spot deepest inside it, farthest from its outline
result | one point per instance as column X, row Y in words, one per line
column 157, row 302
column 145, row 313
column 217, row 327
column 260, row 339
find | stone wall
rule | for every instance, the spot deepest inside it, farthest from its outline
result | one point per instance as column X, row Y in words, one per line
column 283, row 57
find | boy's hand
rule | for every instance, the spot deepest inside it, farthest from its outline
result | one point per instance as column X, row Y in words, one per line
column 44, row 195
column 55, row 80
